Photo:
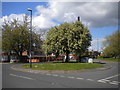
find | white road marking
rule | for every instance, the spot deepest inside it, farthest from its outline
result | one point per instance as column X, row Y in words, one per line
column 21, row 76
column 114, row 82
column 90, row 79
column 54, row 75
column 70, row 77
column 80, row 78
column 62, row 76
column 48, row 74
column 105, row 80
column 101, row 81
column 112, row 76
column 108, row 81
column 13, row 75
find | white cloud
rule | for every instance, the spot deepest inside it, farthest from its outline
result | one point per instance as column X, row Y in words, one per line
column 13, row 16
column 10, row 18
column 96, row 14
column 42, row 22
column 96, row 44
column 61, row 0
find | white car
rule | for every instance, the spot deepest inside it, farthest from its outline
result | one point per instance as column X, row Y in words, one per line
column 12, row 60
column 87, row 60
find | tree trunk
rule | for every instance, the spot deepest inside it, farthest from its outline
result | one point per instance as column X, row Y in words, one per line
column 9, row 54
column 56, row 54
column 21, row 57
column 78, row 59
column 67, row 56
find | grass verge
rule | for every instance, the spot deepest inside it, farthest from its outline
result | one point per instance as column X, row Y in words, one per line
column 63, row 66
column 110, row 59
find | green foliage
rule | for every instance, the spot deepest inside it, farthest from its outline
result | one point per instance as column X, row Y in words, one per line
column 68, row 38
column 112, row 45
column 16, row 37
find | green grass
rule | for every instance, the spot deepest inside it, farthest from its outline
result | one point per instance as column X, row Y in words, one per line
column 109, row 59
column 63, row 66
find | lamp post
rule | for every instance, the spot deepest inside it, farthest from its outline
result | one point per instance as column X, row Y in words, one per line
column 30, row 53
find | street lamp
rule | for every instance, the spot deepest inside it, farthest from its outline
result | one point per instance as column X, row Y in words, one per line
column 30, row 53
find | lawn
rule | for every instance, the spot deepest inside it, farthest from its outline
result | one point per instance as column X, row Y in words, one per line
column 63, row 66
column 110, row 59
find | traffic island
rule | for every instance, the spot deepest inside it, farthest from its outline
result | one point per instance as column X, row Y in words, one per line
column 62, row 66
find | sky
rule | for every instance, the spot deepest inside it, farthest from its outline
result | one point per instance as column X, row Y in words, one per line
column 100, row 17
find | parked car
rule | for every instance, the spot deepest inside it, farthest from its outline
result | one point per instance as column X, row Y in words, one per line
column 13, row 60
column 86, row 60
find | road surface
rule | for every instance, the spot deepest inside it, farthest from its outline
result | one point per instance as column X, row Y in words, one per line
column 100, row 78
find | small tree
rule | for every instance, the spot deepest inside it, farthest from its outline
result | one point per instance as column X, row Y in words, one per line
column 68, row 38
column 112, row 47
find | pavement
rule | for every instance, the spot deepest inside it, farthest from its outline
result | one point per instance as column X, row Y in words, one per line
column 16, row 77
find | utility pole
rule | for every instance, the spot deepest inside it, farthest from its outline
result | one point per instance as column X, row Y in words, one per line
column 30, row 51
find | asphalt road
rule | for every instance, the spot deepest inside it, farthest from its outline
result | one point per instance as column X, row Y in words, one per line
column 100, row 78
column 0, row 76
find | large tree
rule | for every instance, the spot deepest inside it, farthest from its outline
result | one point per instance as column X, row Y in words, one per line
column 15, row 37
column 68, row 38
column 112, row 45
